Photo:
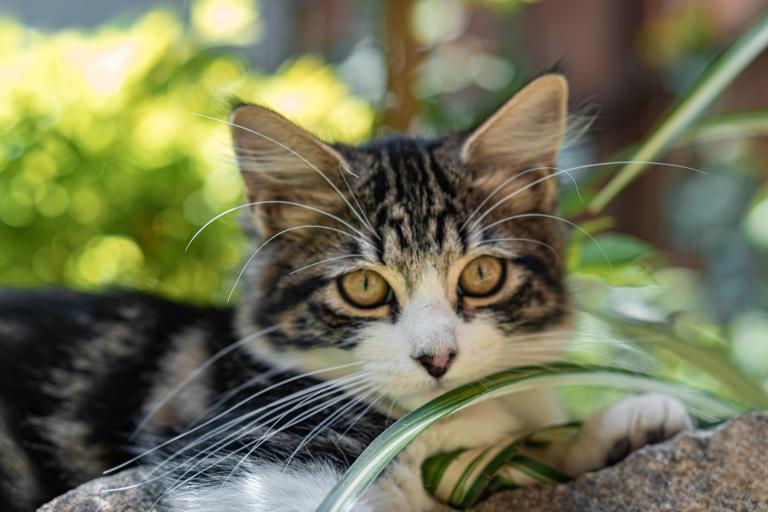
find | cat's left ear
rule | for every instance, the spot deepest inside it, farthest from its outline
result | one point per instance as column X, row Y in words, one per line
column 522, row 138
column 284, row 166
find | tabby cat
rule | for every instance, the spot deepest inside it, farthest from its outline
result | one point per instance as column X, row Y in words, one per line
column 382, row 276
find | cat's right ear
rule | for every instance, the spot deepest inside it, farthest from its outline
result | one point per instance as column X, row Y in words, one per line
column 282, row 163
column 524, row 135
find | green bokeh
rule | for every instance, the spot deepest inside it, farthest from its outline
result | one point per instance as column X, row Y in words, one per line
column 105, row 171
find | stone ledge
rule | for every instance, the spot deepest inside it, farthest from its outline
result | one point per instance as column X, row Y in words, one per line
column 724, row 469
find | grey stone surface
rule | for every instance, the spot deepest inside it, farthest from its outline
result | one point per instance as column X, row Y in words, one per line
column 95, row 496
column 724, row 469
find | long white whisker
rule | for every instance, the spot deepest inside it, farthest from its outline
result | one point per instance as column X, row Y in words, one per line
column 518, row 191
column 286, row 230
column 237, row 405
column 291, row 151
column 342, row 169
column 502, row 185
column 197, row 371
column 326, row 260
column 359, row 416
column 329, row 420
column 514, row 239
column 263, row 413
column 224, row 397
column 258, row 203
column 567, row 171
column 230, row 441
column 254, row 445
column 553, row 217
column 315, row 392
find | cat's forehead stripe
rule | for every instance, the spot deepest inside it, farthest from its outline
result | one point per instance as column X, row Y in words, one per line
column 413, row 199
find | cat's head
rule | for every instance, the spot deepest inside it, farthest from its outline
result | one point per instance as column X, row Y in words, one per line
column 430, row 262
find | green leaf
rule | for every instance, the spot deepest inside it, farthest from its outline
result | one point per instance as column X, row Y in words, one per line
column 395, row 438
column 620, row 249
column 480, row 470
column 713, row 81
column 712, row 360
column 727, row 126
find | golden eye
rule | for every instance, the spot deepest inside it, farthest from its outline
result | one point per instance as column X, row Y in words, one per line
column 364, row 289
column 482, row 276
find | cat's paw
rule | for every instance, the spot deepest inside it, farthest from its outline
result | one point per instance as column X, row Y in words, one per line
column 612, row 434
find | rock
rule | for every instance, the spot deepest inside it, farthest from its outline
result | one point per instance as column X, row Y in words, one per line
column 91, row 496
column 724, row 469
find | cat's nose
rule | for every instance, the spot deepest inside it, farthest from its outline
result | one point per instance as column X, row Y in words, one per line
column 437, row 364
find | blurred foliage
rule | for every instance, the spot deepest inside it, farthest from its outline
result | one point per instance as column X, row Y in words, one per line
column 105, row 171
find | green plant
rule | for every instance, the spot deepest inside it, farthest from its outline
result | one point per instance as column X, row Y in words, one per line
column 688, row 108
column 385, row 447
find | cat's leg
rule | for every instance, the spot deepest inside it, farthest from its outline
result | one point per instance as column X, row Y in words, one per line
column 612, row 434
column 271, row 488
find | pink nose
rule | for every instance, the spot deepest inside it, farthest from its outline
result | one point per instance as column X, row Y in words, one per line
column 437, row 365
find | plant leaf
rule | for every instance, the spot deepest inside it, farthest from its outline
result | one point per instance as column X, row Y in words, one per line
column 713, row 361
column 720, row 73
column 395, row 438
column 727, row 126
column 620, row 249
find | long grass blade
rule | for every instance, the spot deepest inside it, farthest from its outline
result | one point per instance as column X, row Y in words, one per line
column 713, row 81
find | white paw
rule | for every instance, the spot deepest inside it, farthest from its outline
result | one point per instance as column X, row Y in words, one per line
column 612, row 434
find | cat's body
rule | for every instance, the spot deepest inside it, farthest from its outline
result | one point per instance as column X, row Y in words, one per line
column 383, row 275
column 76, row 380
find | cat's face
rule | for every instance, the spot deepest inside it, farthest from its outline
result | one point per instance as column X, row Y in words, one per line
column 426, row 263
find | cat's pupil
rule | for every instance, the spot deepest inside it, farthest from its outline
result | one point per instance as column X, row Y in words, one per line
column 480, row 272
column 365, row 282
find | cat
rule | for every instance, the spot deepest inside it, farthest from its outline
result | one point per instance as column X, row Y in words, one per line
column 382, row 276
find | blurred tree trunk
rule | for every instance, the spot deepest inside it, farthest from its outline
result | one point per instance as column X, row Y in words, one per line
column 402, row 62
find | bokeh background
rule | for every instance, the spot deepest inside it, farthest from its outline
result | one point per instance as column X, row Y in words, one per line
column 107, row 167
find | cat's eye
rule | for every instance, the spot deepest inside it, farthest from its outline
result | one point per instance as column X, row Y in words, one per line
column 365, row 289
column 482, row 276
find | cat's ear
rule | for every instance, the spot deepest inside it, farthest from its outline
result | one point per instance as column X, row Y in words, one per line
column 524, row 134
column 282, row 162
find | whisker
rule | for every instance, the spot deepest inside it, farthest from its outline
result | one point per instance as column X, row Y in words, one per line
column 520, row 191
column 231, row 441
column 239, row 404
column 224, row 397
column 262, row 413
column 514, row 239
column 291, row 151
column 515, row 177
column 286, row 230
column 326, row 260
column 197, row 371
column 365, row 411
column 326, row 422
column 271, row 432
column 562, row 171
column 258, row 203
column 316, row 392
column 553, row 217
column 342, row 169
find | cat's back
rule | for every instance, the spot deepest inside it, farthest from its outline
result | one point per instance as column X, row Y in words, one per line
column 74, row 374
